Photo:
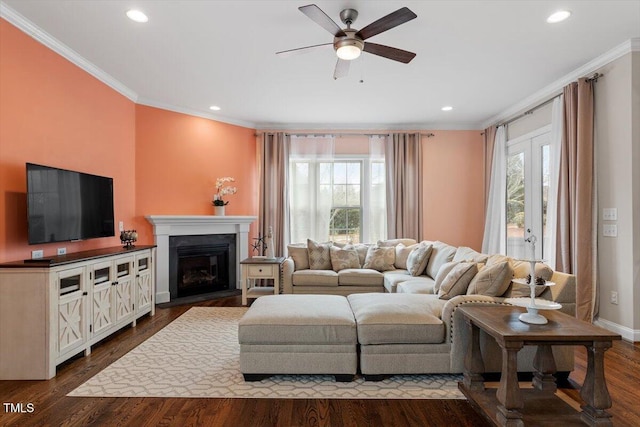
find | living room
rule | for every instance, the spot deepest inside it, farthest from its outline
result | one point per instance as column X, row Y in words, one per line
column 59, row 108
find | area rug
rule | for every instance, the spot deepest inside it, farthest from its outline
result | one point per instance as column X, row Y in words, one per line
column 197, row 355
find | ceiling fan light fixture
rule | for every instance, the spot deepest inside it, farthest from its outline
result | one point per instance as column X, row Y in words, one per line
column 348, row 49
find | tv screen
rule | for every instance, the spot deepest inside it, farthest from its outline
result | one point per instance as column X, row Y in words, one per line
column 64, row 205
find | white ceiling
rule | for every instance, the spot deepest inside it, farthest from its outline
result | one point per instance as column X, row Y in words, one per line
column 481, row 57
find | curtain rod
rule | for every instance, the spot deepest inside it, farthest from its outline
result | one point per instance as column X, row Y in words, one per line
column 530, row 111
column 428, row 135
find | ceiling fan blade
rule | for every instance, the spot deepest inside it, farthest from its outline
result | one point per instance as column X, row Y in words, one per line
column 342, row 69
column 385, row 23
column 319, row 17
column 389, row 52
column 299, row 50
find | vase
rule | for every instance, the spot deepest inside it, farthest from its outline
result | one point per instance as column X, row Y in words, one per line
column 219, row 210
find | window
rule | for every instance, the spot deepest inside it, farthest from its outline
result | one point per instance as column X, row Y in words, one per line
column 528, row 178
column 347, row 191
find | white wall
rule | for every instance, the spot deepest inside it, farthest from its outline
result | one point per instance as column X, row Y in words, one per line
column 614, row 162
column 635, row 120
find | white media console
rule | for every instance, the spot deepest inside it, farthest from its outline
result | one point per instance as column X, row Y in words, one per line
column 52, row 310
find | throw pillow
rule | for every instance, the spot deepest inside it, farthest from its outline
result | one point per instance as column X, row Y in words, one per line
column 300, row 256
column 344, row 258
column 319, row 255
column 442, row 273
column 442, row 253
column 362, row 250
column 402, row 253
column 380, row 259
column 418, row 259
column 523, row 268
column 395, row 242
column 457, row 280
column 492, row 281
column 464, row 253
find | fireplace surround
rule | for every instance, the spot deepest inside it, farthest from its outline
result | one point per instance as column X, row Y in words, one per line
column 167, row 226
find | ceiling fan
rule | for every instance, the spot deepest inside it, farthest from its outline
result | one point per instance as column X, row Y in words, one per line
column 349, row 43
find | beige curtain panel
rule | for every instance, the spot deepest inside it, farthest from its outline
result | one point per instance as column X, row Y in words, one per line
column 577, row 231
column 273, row 209
column 489, row 141
column 403, row 159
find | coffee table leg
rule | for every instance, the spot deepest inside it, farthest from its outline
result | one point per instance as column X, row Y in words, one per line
column 594, row 390
column 544, row 366
column 509, row 395
column 473, row 364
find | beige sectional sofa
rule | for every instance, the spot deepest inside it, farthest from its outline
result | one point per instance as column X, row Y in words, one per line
column 406, row 317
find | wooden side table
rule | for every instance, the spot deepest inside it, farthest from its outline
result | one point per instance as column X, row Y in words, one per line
column 506, row 406
column 260, row 268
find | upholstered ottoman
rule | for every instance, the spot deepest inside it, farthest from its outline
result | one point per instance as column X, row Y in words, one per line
column 396, row 331
column 298, row 334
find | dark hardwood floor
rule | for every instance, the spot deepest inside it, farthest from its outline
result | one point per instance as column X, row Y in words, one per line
column 51, row 407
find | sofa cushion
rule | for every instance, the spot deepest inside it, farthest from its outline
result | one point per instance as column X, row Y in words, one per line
column 441, row 253
column 300, row 256
column 315, row 278
column 394, row 277
column 397, row 318
column 402, row 253
column 417, row 285
column 418, row 259
column 464, row 253
column 360, row 277
column 457, row 279
column 319, row 255
column 492, row 280
column 380, row 258
column 344, row 258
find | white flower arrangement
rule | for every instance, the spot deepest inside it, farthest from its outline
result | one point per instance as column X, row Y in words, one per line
column 221, row 190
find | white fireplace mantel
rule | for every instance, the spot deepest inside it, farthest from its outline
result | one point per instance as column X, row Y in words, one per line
column 165, row 226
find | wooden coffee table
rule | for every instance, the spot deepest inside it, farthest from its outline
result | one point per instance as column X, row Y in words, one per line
column 506, row 406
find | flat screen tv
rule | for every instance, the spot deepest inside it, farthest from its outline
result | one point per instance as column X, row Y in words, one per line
column 64, row 205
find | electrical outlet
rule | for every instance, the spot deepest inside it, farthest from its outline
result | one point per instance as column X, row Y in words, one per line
column 610, row 214
column 610, row 230
column 121, row 226
column 614, row 297
column 62, row 251
column 37, row 254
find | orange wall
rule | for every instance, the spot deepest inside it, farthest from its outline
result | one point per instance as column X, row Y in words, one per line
column 179, row 157
column 454, row 188
column 54, row 113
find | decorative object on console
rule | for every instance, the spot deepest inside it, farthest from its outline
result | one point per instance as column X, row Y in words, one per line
column 221, row 191
column 260, row 246
column 532, row 315
column 128, row 238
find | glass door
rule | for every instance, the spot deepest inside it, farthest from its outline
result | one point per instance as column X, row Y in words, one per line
column 527, row 192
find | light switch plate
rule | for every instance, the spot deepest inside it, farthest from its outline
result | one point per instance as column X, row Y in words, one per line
column 610, row 214
column 37, row 254
column 610, row 230
column 121, row 226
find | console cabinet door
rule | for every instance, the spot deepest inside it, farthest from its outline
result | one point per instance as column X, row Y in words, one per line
column 72, row 322
column 103, row 307
column 144, row 286
column 124, row 288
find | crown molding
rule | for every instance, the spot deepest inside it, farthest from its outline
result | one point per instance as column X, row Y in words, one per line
column 191, row 112
column 28, row 27
column 555, row 88
column 368, row 127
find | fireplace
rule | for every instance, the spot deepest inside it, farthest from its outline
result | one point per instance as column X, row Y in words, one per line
column 201, row 264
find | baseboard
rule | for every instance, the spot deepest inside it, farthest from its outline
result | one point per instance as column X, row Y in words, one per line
column 628, row 334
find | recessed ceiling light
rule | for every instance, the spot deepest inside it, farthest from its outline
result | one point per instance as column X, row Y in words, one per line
column 137, row 15
column 214, row 108
column 447, row 108
column 558, row 16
